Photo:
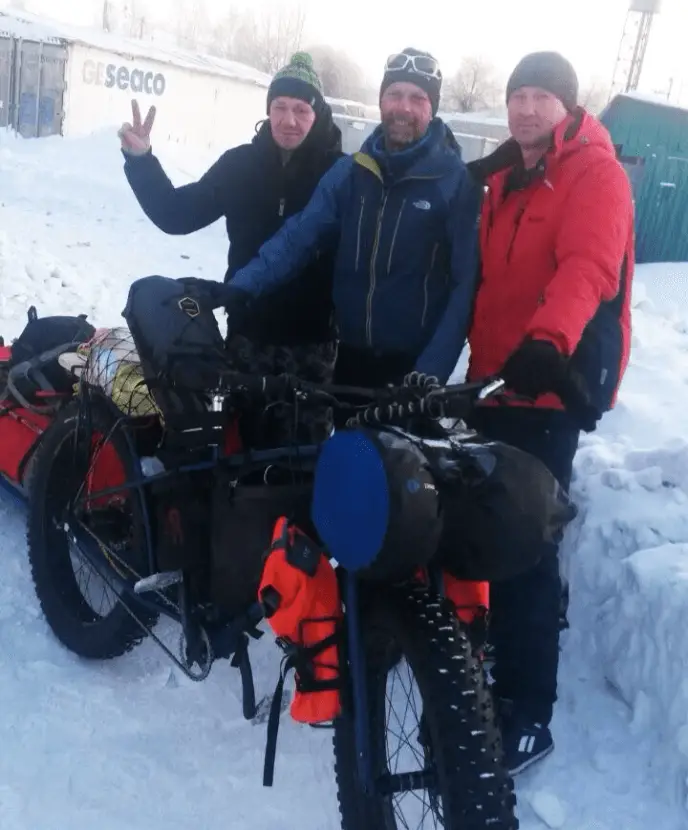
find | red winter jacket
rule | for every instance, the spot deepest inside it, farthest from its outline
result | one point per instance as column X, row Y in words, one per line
column 557, row 262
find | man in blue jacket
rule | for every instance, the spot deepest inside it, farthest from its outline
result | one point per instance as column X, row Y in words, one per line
column 401, row 217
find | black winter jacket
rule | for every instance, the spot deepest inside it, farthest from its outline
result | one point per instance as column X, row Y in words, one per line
column 255, row 192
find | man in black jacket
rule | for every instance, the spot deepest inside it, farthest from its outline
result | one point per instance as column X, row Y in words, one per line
column 256, row 187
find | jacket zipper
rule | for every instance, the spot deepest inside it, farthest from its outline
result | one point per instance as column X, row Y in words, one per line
column 376, row 246
column 282, row 204
column 358, row 235
column 425, row 284
column 394, row 237
column 517, row 223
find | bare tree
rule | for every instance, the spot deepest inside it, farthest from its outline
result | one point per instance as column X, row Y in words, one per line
column 193, row 26
column 107, row 16
column 341, row 76
column 475, row 86
column 265, row 41
column 134, row 18
column 594, row 95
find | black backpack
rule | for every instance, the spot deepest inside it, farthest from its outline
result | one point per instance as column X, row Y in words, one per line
column 36, row 348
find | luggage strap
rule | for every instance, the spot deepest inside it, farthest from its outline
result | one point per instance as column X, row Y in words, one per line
column 300, row 659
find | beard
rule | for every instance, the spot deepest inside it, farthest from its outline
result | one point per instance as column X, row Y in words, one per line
column 401, row 131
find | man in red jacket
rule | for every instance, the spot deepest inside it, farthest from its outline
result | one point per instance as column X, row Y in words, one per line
column 552, row 317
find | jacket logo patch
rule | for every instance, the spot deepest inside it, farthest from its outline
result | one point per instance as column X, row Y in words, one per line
column 421, row 204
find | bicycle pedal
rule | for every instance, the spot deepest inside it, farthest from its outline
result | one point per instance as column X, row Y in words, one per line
column 158, row 582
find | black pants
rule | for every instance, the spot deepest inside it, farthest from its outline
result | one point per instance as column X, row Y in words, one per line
column 525, row 611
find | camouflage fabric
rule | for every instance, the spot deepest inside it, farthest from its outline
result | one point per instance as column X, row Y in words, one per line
column 279, row 425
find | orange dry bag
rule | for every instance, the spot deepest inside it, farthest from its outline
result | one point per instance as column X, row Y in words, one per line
column 300, row 594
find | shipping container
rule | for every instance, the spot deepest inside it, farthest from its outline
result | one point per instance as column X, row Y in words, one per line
column 651, row 140
column 57, row 79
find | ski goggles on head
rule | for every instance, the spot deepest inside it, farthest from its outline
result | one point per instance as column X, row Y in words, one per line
column 422, row 64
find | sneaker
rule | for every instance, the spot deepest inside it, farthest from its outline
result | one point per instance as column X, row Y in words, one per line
column 524, row 744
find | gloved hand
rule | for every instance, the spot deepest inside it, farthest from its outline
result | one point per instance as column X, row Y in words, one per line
column 135, row 137
column 535, row 368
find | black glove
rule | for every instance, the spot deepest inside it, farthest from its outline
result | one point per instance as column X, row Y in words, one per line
column 536, row 367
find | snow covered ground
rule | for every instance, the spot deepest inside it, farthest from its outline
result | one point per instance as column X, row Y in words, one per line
column 132, row 744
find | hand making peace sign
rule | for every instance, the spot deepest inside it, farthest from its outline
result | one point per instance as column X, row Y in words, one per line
column 135, row 137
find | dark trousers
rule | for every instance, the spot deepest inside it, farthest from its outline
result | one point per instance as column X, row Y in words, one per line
column 524, row 628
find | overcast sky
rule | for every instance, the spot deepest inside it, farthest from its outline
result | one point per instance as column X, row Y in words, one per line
column 588, row 32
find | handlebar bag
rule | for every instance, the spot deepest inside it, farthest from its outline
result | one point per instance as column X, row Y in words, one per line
column 181, row 348
column 375, row 503
column 175, row 330
column 387, row 502
column 503, row 510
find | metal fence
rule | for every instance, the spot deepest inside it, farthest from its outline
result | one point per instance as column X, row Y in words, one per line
column 356, row 130
column 32, row 84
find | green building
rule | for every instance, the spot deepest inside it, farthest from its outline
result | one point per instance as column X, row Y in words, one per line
column 651, row 138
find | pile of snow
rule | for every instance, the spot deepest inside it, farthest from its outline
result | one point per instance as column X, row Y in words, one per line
column 628, row 559
column 73, row 237
column 99, row 736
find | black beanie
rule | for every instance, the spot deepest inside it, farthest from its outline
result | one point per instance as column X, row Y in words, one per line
column 429, row 84
column 547, row 70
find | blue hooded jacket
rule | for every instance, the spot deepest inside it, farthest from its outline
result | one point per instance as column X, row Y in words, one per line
column 404, row 229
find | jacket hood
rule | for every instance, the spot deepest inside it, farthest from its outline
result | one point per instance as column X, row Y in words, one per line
column 431, row 155
column 579, row 131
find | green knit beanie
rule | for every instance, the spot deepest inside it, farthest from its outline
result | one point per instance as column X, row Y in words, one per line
column 298, row 79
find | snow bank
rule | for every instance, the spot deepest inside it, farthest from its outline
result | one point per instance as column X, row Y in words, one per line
column 72, row 238
column 72, row 235
column 627, row 559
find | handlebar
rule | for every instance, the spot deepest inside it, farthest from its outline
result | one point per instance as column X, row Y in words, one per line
column 369, row 406
column 393, row 403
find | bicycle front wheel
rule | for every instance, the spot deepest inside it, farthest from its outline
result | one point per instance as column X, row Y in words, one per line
column 436, row 749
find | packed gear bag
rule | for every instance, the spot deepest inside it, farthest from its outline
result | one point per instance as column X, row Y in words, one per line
column 40, row 336
column 243, row 520
column 182, row 351
column 174, row 328
column 300, row 594
column 112, row 364
column 386, row 503
column 300, row 590
column 183, row 521
column 502, row 509
column 376, row 506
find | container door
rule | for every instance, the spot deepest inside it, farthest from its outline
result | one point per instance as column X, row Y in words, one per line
column 51, row 98
column 6, row 55
column 40, row 89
